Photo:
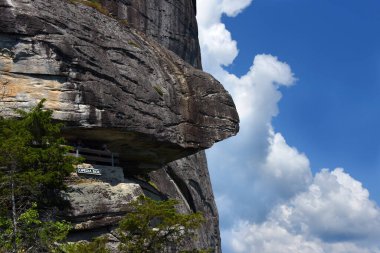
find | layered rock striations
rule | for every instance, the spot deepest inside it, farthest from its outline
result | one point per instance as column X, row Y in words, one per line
column 126, row 76
column 171, row 23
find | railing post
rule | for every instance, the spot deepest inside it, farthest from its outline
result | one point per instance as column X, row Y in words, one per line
column 77, row 153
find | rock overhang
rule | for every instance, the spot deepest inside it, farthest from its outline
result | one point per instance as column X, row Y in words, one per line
column 110, row 83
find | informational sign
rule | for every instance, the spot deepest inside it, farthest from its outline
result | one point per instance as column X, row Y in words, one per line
column 88, row 169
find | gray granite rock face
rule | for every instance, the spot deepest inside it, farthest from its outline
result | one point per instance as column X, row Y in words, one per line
column 171, row 23
column 188, row 180
column 131, row 80
column 110, row 82
column 99, row 204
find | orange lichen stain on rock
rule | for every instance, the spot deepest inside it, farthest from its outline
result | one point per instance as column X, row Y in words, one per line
column 22, row 91
column 21, row 88
column 5, row 63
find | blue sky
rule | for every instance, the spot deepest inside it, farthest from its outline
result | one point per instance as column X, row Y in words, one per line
column 302, row 174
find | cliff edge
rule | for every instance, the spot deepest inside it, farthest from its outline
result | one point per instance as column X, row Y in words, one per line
column 127, row 76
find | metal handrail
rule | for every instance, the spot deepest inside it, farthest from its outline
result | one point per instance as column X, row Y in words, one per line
column 96, row 155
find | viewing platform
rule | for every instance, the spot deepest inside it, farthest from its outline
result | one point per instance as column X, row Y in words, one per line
column 93, row 157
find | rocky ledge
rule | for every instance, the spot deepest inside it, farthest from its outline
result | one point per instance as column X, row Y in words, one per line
column 126, row 76
column 109, row 82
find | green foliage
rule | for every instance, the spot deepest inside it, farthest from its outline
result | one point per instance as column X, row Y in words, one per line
column 124, row 22
column 96, row 4
column 151, row 183
column 153, row 226
column 31, row 147
column 33, row 166
column 158, row 90
column 33, row 235
column 96, row 246
column 131, row 42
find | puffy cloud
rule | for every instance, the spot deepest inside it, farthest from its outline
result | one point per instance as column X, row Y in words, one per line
column 234, row 7
column 348, row 247
column 335, row 215
column 256, row 93
column 335, row 208
column 266, row 165
column 270, row 237
column 210, row 12
column 219, row 48
column 285, row 168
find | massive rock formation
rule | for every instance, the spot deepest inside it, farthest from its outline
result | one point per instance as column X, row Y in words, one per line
column 171, row 23
column 126, row 75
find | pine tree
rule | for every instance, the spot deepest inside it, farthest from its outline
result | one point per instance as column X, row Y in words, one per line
column 151, row 227
column 156, row 226
column 33, row 166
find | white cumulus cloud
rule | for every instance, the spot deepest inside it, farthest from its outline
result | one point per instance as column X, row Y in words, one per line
column 233, row 8
column 210, row 12
column 335, row 215
column 270, row 237
column 267, row 165
column 335, row 208
column 219, row 48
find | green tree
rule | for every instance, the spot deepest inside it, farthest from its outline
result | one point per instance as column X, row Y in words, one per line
column 96, row 246
column 151, row 227
column 33, row 234
column 33, row 166
column 155, row 226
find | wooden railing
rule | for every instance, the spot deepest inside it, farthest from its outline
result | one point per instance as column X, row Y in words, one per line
column 96, row 156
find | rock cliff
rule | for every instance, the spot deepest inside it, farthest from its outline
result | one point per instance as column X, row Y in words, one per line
column 125, row 74
column 171, row 23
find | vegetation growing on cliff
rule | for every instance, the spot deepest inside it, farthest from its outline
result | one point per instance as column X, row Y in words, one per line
column 153, row 226
column 33, row 165
column 96, row 246
column 32, row 234
column 96, row 4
